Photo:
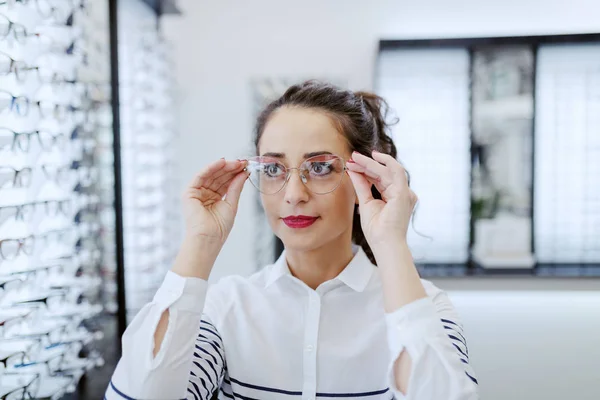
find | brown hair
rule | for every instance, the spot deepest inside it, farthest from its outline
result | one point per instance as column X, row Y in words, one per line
column 360, row 116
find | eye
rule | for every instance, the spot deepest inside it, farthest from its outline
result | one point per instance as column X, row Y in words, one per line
column 272, row 170
column 320, row 168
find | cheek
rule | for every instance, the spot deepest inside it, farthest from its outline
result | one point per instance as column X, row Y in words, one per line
column 342, row 204
column 271, row 205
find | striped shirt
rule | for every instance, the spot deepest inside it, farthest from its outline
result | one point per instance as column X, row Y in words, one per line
column 270, row 336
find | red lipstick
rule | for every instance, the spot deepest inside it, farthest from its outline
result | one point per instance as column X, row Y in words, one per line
column 299, row 221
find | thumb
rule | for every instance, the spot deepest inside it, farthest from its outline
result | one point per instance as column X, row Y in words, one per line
column 232, row 196
column 362, row 187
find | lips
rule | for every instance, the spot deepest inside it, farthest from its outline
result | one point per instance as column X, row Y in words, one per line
column 299, row 221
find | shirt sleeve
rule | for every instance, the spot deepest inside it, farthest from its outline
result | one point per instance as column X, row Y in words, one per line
column 190, row 362
column 430, row 330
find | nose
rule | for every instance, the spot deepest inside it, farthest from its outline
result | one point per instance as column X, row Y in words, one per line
column 295, row 190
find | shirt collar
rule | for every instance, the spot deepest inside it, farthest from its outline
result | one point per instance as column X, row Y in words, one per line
column 356, row 275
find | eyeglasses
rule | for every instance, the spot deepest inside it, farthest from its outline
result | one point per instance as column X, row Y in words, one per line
column 14, row 140
column 20, row 104
column 45, row 8
column 22, row 140
column 6, row 26
column 23, row 212
column 11, row 248
column 57, row 207
column 57, row 173
column 20, row 386
column 14, row 178
column 9, row 65
column 56, row 111
column 13, row 2
column 321, row 174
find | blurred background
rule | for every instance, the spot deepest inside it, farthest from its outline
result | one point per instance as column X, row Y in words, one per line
column 108, row 107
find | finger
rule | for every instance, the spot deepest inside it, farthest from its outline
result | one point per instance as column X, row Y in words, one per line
column 376, row 183
column 223, row 182
column 201, row 177
column 394, row 165
column 232, row 196
column 372, row 176
column 212, row 171
column 231, row 167
column 362, row 187
column 225, row 178
column 373, row 168
column 222, row 189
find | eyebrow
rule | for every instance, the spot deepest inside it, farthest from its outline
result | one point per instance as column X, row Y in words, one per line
column 305, row 155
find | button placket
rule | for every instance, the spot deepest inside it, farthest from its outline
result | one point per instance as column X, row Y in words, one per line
column 311, row 332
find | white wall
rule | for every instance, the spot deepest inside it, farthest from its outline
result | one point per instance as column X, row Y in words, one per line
column 528, row 340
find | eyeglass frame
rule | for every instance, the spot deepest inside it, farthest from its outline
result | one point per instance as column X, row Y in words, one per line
column 58, row 140
column 16, row 67
column 22, row 247
column 12, row 27
column 14, row 104
column 18, row 177
column 299, row 169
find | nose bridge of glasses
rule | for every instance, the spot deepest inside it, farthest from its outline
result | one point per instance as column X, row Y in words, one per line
column 301, row 174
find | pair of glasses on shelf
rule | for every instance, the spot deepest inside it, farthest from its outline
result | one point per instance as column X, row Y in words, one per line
column 26, row 212
column 20, row 386
column 11, row 248
column 8, row 27
column 59, row 174
column 46, row 8
column 12, row 178
column 37, row 272
column 21, row 106
column 15, row 178
column 9, row 283
column 9, row 65
column 21, row 141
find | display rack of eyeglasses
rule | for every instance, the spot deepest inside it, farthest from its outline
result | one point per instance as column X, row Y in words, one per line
column 55, row 193
column 151, row 209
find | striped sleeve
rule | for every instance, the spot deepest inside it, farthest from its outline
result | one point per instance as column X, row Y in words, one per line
column 431, row 332
column 208, row 364
column 455, row 333
column 453, row 328
column 141, row 374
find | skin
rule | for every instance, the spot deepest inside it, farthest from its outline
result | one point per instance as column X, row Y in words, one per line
column 294, row 132
column 320, row 252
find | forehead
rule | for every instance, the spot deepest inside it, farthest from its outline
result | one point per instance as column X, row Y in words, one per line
column 297, row 131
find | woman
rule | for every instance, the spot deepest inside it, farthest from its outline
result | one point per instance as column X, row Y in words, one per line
column 323, row 321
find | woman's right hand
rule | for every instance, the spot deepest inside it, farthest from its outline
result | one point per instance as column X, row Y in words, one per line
column 210, row 202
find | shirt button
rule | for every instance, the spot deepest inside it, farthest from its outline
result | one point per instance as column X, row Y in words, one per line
column 309, row 347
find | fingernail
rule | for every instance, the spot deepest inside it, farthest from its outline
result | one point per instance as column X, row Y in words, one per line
column 350, row 161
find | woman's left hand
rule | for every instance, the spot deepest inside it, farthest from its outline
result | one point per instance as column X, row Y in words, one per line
column 386, row 219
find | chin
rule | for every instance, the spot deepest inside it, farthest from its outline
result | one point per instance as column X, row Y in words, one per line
column 299, row 239
column 299, row 245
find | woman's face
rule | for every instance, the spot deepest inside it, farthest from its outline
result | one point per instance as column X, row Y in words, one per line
column 293, row 133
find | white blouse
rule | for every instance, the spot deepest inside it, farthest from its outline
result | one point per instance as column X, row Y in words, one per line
column 270, row 336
